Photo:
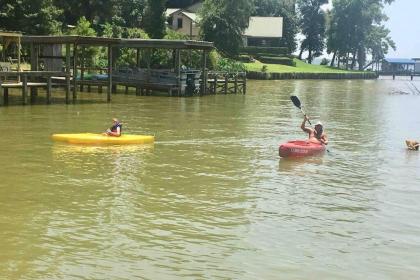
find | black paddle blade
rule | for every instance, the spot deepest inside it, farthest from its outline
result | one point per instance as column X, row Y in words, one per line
column 296, row 101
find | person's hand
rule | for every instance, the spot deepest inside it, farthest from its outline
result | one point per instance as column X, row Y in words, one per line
column 306, row 118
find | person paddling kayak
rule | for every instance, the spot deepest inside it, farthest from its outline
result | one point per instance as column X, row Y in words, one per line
column 115, row 130
column 316, row 135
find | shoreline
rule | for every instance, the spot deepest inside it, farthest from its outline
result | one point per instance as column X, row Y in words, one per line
column 253, row 75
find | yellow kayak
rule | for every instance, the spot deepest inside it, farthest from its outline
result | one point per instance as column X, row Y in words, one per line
column 91, row 138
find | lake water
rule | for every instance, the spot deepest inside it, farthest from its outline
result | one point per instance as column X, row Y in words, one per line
column 211, row 199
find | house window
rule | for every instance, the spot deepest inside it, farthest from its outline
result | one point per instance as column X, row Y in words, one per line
column 179, row 22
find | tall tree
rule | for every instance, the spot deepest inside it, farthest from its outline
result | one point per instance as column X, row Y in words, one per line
column 285, row 9
column 224, row 21
column 312, row 24
column 155, row 19
column 95, row 11
column 31, row 17
column 356, row 30
column 130, row 12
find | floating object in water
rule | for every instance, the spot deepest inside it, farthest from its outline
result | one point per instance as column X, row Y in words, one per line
column 100, row 139
column 412, row 145
column 300, row 148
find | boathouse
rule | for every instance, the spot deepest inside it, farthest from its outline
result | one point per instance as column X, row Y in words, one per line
column 154, row 65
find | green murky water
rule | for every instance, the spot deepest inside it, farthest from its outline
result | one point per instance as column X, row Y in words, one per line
column 211, row 199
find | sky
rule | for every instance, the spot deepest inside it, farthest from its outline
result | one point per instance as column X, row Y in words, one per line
column 404, row 24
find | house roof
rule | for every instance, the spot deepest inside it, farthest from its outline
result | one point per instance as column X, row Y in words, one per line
column 170, row 11
column 271, row 27
column 400, row 61
column 192, row 16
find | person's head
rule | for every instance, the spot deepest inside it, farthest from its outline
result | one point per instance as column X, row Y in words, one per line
column 115, row 120
column 319, row 128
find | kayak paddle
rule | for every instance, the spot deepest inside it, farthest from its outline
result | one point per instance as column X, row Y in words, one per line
column 298, row 104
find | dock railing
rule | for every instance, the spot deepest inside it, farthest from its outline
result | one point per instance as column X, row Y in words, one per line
column 31, row 79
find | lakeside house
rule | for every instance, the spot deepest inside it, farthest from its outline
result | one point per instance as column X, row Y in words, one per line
column 417, row 65
column 261, row 32
column 395, row 65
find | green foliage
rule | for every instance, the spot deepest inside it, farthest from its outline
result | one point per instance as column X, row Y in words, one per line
column 223, row 22
column 95, row 11
column 265, row 50
column 230, row 65
column 84, row 28
column 325, row 61
column 356, row 29
column 277, row 60
column 312, row 23
column 31, row 17
column 130, row 12
column 264, row 68
column 155, row 19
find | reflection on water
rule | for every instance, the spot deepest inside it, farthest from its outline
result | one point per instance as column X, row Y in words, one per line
column 211, row 199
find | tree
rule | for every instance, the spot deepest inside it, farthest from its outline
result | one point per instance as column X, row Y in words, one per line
column 95, row 11
column 130, row 12
column 356, row 30
column 30, row 17
column 154, row 18
column 312, row 24
column 181, row 3
column 285, row 9
column 223, row 22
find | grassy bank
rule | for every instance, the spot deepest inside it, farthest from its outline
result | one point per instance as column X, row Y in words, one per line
column 301, row 67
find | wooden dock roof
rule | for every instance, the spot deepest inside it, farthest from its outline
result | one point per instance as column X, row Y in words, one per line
column 116, row 42
column 69, row 39
column 165, row 44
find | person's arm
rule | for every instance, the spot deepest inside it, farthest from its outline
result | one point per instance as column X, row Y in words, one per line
column 324, row 139
column 307, row 130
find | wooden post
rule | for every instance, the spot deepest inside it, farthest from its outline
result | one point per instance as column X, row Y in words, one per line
column 24, row 89
column 82, row 68
column 204, row 74
column 126, row 89
column 215, row 83
column 236, row 83
column 19, row 48
column 244, row 86
column 6, row 96
column 225, row 90
column 74, row 72
column 68, row 63
column 178, row 71
column 49, row 90
column 109, row 90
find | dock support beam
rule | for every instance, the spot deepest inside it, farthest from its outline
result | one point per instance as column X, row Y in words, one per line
column 67, row 73
column 74, row 72
column 109, row 90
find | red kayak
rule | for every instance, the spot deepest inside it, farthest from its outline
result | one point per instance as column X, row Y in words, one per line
column 300, row 148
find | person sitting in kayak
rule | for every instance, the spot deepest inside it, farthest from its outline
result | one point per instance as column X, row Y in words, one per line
column 316, row 135
column 115, row 130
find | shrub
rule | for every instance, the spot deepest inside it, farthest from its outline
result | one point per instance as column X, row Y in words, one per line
column 265, row 50
column 230, row 65
column 325, row 61
column 264, row 68
column 277, row 60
